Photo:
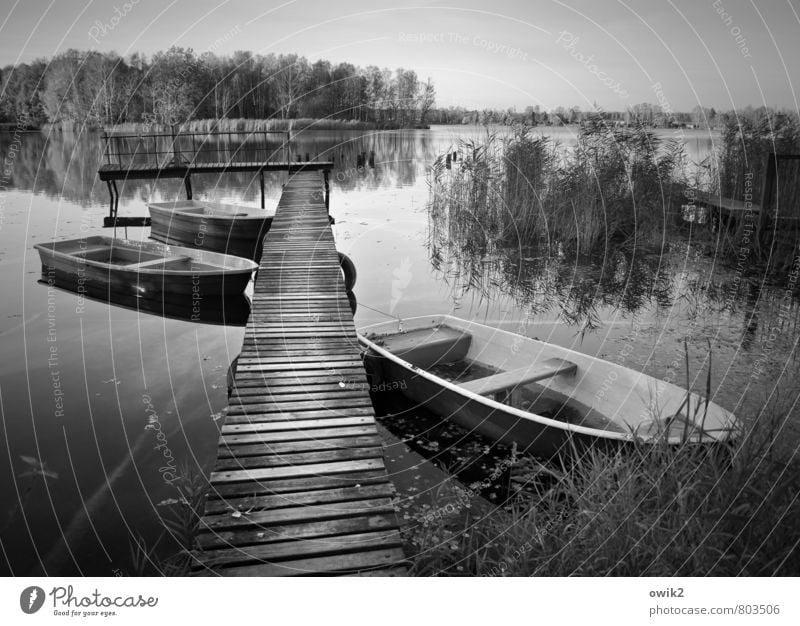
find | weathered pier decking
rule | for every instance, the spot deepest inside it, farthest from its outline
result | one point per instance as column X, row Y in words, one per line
column 300, row 485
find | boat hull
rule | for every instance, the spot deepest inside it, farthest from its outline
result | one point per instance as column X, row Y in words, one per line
column 224, row 228
column 478, row 417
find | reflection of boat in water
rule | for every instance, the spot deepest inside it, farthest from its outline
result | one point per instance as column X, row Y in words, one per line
column 232, row 311
column 536, row 395
column 226, row 228
column 154, row 271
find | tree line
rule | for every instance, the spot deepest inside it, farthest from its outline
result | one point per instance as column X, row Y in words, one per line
column 176, row 86
column 97, row 89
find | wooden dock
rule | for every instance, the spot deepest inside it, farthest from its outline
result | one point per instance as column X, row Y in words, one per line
column 154, row 156
column 300, row 485
column 728, row 208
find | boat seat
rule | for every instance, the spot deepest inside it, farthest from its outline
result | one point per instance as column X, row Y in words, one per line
column 427, row 347
column 93, row 249
column 521, row 376
column 160, row 261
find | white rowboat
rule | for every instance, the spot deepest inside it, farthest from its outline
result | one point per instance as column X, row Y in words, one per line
column 537, row 395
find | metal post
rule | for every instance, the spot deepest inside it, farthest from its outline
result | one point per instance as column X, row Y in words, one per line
column 767, row 181
column 111, row 200
column 261, row 181
column 175, row 153
column 327, row 191
column 107, row 143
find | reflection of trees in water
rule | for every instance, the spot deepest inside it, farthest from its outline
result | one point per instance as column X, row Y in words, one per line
column 65, row 164
column 545, row 280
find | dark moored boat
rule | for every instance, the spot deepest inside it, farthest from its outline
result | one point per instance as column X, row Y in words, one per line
column 213, row 226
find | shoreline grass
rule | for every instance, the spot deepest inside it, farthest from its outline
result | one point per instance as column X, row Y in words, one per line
column 662, row 510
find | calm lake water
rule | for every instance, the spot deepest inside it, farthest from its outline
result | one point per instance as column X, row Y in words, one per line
column 86, row 387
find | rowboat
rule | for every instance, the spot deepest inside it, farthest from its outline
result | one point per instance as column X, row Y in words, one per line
column 146, row 269
column 213, row 226
column 535, row 395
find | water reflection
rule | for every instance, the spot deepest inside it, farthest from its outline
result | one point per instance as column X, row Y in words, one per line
column 64, row 165
column 680, row 284
column 226, row 312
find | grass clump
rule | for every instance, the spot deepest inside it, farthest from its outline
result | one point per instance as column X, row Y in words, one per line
column 616, row 185
column 647, row 511
column 172, row 552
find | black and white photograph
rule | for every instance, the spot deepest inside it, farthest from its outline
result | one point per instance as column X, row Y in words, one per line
column 505, row 294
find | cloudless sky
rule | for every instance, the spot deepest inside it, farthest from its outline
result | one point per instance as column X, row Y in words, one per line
column 492, row 53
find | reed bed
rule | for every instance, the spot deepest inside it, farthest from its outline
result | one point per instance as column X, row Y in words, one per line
column 737, row 170
column 245, row 125
column 615, row 186
column 646, row 511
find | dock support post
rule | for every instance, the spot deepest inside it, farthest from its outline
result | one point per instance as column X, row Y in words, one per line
column 770, row 170
column 261, row 182
column 327, row 191
column 187, row 182
column 113, row 199
column 110, row 200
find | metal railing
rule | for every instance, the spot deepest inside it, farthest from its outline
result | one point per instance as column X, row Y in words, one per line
column 182, row 149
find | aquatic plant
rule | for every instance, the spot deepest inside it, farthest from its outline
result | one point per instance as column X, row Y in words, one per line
column 28, row 480
column 615, row 186
column 653, row 510
column 171, row 553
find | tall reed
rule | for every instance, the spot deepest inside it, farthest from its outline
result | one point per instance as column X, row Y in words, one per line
column 620, row 186
column 651, row 510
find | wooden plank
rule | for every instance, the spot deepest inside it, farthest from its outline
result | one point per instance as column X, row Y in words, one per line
column 301, row 531
column 274, row 552
column 341, row 405
column 242, row 450
column 268, row 473
column 298, row 485
column 281, row 423
column 336, row 393
column 296, row 436
column 317, row 512
column 267, row 458
column 356, row 562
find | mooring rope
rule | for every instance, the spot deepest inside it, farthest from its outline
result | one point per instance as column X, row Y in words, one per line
column 372, row 308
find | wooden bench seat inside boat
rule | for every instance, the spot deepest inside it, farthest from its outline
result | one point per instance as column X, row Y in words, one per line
column 520, row 376
column 92, row 250
column 159, row 261
column 428, row 346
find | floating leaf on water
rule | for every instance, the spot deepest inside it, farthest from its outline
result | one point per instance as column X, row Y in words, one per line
column 171, row 501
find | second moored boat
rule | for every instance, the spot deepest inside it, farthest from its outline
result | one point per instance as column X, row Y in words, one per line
column 213, row 226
